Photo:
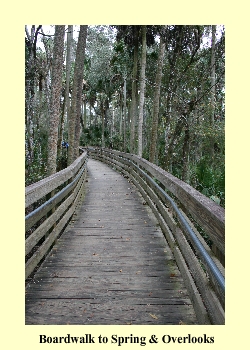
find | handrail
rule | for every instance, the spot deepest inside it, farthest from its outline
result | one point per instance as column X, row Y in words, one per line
column 41, row 188
column 55, row 211
column 43, row 209
column 203, row 273
column 210, row 264
column 209, row 215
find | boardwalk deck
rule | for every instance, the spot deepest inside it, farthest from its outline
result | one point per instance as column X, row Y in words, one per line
column 112, row 264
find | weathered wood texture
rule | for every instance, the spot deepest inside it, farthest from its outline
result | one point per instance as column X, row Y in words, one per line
column 112, row 265
column 42, row 235
column 41, row 188
column 198, row 281
column 207, row 213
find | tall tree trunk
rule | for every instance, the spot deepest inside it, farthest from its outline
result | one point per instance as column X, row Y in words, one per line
column 90, row 115
column 185, row 154
column 172, row 87
column 154, row 133
column 30, row 87
column 56, row 87
column 142, row 89
column 76, row 100
column 60, row 132
column 101, row 108
column 112, row 129
column 103, row 126
column 212, row 106
column 84, row 30
column 68, row 69
column 124, row 113
column 84, row 112
column 134, row 95
column 121, row 109
column 171, row 91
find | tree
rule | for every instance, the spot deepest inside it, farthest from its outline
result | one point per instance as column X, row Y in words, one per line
column 131, row 35
column 182, row 44
column 213, row 87
column 31, row 76
column 66, row 101
column 142, row 89
column 76, row 99
column 157, row 88
column 134, row 90
column 182, row 109
column 56, row 86
column 66, row 111
column 68, row 68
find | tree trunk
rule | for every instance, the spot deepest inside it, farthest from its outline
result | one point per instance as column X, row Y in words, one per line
column 56, row 87
column 90, row 115
column 212, row 106
column 172, row 143
column 60, row 132
column 68, row 69
column 30, row 84
column 83, row 32
column 185, row 154
column 121, row 110
column 84, row 112
column 112, row 129
column 103, row 126
column 154, row 133
column 142, row 89
column 124, row 113
column 134, row 95
column 76, row 100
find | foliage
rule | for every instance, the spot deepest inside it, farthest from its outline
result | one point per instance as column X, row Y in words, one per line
column 189, row 137
column 210, row 181
column 36, row 167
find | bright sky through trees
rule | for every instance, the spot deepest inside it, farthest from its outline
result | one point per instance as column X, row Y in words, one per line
column 192, row 95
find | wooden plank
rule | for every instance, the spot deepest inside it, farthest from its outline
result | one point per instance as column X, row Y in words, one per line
column 113, row 261
column 147, row 187
column 211, row 302
column 206, row 212
column 199, row 307
column 89, row 311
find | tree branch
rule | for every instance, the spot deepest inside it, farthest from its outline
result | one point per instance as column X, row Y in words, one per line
column 49, row 35
column 35, row 41
column 27, row 33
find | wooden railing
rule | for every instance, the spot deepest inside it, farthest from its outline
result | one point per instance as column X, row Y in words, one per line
column 50, row 203
column 185, row 216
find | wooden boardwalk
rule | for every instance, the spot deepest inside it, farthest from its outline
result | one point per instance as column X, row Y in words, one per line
column 112, row 264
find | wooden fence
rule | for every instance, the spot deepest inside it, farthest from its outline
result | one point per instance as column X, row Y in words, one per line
column 50, row 204
column 184, row 225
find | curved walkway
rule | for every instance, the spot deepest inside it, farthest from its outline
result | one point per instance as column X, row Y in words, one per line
column 112, row 264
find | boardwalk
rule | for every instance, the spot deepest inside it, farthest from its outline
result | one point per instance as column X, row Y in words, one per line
column 112, row 264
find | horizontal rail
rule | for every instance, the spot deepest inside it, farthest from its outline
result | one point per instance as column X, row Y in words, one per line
column 36, row 191
column 45, row 223
column 203, row 272
column 43, row 209
column 210, row 264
